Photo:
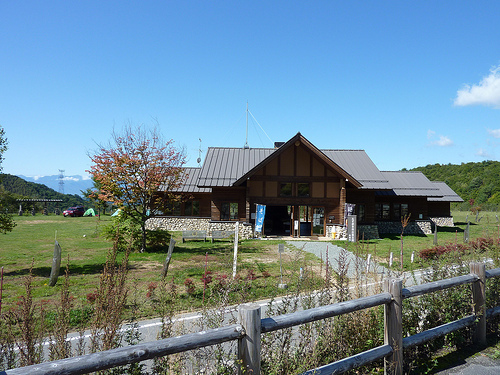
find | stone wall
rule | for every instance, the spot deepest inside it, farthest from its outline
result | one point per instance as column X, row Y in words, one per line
column 446, row 221
column 336, row 232
column 368, row 232
column 414, row 227
column 176, row 223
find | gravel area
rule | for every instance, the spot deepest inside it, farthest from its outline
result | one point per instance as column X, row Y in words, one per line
column 336, row 253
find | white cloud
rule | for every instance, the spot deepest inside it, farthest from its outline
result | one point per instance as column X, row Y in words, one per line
column 483, row 153
column 443, row 140
column 495, row 133
column 487, row 92
column 71, row 178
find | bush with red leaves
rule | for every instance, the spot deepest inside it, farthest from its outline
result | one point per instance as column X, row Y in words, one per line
column 479, row 244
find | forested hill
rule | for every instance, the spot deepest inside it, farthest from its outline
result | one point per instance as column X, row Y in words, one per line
column 478, row 181
column 19, row 188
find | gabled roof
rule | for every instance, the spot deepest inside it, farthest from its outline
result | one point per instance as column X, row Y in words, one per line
column 358, row 164
column 190, row 185
column 300, row 139
column 448, row 195
column 223, row 166
column 410, row 184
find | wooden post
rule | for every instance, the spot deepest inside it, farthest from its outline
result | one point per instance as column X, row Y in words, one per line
column 167, row 259
column 249, row 346
column 393, row 331
column 235, row 256
column 56, row 264
column 478, row 301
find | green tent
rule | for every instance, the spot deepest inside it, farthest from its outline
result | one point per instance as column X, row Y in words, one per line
column 89, row 212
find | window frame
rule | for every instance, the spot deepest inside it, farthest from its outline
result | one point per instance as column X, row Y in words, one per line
column 229, row 211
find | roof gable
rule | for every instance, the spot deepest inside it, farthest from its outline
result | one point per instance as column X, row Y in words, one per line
column 297, row 140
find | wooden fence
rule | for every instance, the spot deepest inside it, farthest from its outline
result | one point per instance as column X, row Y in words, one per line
column 250, row 327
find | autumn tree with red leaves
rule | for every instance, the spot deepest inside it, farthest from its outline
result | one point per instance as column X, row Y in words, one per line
column 133, row 168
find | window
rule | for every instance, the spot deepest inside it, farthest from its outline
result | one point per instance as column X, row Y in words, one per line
column 286, row 189
column 361, row 212
column 174, row 208
column 396, row 210
column 382, row 211
column 303, row 189
column 229, row 211
column 400, row 210
column 192, row 208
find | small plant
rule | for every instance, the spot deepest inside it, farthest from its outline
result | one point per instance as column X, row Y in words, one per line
column 189, row 284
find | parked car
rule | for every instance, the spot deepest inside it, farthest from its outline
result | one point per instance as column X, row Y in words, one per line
column 74, row 211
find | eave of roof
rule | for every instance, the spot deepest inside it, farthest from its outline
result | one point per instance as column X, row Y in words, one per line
column 448, row 195
column 410, row 184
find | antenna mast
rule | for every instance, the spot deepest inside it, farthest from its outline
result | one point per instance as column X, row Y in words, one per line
column 199, row 155
column 246, row 139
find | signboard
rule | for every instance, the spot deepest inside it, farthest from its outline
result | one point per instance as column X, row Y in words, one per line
column 352, row 228
column 259, row 221
column 350, row 209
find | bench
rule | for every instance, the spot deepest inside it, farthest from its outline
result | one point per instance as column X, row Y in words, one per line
column 222, row 235
column 194, row 235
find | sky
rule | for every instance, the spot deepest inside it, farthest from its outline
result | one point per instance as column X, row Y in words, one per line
column 411, row 83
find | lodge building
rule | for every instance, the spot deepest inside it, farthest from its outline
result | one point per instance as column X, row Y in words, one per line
column 307, row 193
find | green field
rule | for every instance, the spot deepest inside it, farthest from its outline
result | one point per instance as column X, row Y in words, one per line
column 31, row 244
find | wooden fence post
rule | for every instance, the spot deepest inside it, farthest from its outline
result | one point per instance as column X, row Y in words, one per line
column 56, row 264
column 249, row 346
column 479, row 303
column 167, row 259
column 393, row 327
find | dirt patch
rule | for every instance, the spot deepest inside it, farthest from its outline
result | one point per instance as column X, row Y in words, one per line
column 40, row 222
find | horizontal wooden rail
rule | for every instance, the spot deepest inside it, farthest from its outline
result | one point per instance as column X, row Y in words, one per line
column 352, row 362
column 439, row 331
column 491, row 313
column 248, row 332
column 323, row 312
column 493, row 273
column 418, row 290
column 132, row 354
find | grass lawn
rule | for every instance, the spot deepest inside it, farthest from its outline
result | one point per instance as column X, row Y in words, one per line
column 380, row 249
column 32, row 243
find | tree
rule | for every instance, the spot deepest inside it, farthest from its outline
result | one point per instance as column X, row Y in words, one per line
column 133, row 168
column 7, row 223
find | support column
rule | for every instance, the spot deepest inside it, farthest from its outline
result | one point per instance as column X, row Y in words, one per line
column 479, row 303
column 393, row 331
column 249, row 346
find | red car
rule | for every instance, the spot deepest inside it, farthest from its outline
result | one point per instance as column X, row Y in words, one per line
column 74, row 211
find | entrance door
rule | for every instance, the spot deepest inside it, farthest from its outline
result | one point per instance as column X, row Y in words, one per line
column 308, row 221
column 318, row 218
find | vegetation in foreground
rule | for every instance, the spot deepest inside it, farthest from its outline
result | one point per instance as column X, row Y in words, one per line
column 104, row 288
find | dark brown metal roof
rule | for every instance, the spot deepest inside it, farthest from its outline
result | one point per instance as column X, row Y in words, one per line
column 192, row 175
column 359, row 165
column 224, row 166
column 448, row 195
column 406, row 183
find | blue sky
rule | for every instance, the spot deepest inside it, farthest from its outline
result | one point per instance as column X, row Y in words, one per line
column 412, row 83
